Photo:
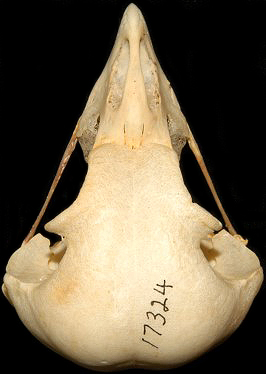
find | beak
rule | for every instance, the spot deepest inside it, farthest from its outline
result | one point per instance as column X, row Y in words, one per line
column 132, row 103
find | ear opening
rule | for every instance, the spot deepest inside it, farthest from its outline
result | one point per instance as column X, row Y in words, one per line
column 235, row 264
column 53, row 237
column 58, row 251
column 211, row 254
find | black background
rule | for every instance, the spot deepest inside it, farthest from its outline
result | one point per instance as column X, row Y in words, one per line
column 213, row 53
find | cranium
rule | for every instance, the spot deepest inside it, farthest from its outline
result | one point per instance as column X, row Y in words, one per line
column 143, row 277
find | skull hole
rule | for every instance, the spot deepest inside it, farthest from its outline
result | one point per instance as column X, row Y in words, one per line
column 57, row 252
column 209, row 252
column 57, row 249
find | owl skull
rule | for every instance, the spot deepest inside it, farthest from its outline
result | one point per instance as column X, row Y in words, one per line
column 139, row 279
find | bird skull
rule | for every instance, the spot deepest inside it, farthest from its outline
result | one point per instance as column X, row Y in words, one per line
column 139, row 278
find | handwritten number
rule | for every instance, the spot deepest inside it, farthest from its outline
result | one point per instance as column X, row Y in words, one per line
column 164, row 285
column 155, row 316
column 165, row 308
column 144, row 331
column 146, row 341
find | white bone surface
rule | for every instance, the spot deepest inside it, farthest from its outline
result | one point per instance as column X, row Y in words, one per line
column 139, row 279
